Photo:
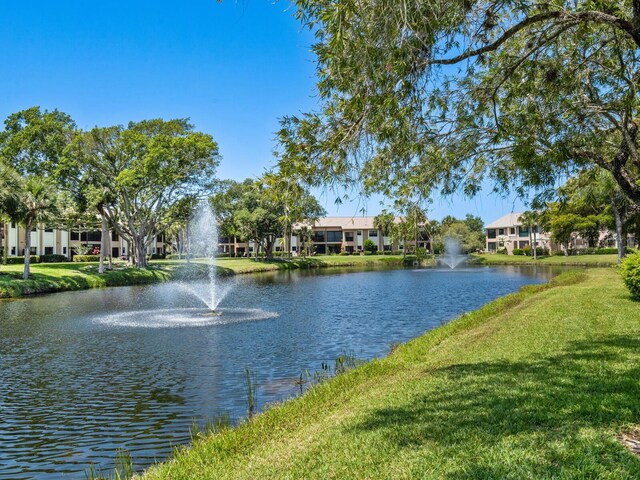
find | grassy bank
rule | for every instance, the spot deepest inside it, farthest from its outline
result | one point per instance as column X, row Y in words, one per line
column 537, row 384
column 57, row 277
column 571, row 261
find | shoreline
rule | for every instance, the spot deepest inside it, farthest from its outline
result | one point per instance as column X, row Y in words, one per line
column 475, row 385
column 49, row 278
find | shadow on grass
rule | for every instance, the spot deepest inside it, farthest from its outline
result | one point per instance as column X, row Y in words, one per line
column 544, row 407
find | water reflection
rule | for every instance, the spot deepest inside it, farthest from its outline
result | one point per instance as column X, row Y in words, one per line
column 74, row 388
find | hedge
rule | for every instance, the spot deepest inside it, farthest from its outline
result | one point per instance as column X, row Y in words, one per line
column 630, row 271
column 20, row 260
column 86, row 258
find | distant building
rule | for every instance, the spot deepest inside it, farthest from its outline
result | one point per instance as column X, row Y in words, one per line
column 508, row 232
column 56, row 241
column 330, row 235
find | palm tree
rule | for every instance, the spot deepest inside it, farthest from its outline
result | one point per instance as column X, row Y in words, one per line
column 9, row 188
column 37, row 204
column 384, row 222
column 531, row 219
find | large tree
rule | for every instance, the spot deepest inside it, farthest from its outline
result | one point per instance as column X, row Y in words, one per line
column 137, row 173
column 450, row 92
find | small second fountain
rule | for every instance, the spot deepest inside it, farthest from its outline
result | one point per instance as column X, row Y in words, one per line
column 453, row 255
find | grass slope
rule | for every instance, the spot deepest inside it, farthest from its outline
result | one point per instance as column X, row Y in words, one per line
column 534, row 385
column 574, row 260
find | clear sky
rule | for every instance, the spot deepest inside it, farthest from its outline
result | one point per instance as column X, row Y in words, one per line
column 234, row 68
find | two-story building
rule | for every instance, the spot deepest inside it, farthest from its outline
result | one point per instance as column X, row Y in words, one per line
column 509, row 232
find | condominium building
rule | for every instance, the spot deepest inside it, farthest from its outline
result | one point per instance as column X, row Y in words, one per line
column 509, row 232
column 329, row 235
column 56, row 241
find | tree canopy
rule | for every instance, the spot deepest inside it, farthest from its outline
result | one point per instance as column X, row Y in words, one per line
column 445, row 94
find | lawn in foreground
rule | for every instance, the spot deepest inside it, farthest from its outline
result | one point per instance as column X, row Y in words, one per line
column 535, row 385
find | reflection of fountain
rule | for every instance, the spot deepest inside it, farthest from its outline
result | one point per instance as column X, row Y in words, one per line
column 204, row 243
column 452, row 253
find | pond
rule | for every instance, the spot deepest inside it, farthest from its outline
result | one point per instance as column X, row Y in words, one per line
column 83, row 374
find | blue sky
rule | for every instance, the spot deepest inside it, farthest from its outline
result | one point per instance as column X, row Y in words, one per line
column 234, row 68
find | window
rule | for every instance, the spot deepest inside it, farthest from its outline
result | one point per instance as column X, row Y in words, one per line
column 33, row 250
column 160, row 238
column 348, row 236
column 501, row 231
column 373, row 233
column 491, row 233
column 13, row 250
column 75, row 235
column 491, row 246
column 114, row 237
column 13, row 224
column 115, row 252
column 318, row 236
column 48, row 250
column 524, row 231
column 359, row 233
column 48, row 230
column 512, row 231
column 524, row 243
column 64, row 250
column 335, row 236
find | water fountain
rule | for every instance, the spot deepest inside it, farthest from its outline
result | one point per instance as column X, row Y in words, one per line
column 203, row 231
column 452, row 253
column 203, row 237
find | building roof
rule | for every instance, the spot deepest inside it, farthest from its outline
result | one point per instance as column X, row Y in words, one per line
column 345, row 223
column 509, row 220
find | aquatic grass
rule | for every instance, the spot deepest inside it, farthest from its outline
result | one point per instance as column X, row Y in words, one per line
column 587, row 260
column 538, row 384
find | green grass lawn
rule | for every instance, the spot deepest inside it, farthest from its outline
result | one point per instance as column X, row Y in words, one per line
column 56, row 277
column 537, row 384
column 574, row 260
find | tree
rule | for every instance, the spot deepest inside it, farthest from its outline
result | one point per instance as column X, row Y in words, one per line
column 469, row 240
column 32, row 146
column 10, row 183
column 595, row 192
column 384, row 222
column 539, row 90
column 37, row 205
column 142, row 170
column 369, row 246
column 532, row 219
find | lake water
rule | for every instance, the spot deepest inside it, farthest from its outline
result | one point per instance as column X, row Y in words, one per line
column 83, row 374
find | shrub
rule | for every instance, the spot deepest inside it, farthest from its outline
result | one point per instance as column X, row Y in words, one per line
column 53, row 258
column 397, row 252
column 409, row 259
column 421, row 253
column 558, row 253
column 86, row 258
column 157, row 256
column 369, row 246
column 20, row 260
column 630, row 271
column 518, row 251
column 345, row 253
column 502, row 251
column 539, row 251
column 369, row 252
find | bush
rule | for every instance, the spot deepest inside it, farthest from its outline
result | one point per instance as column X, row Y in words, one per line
column 558, row 253
column 396, row 252
column 345, row 253
column 369, row 252
column 86, row 258
column 540, row 252
column 53, row 258
column 20, row 260
column 157, row 256
column 518, row 251
column 409, row 259
column 502, row 251
column 630, row 271
column 369, row 246
column 421, row 253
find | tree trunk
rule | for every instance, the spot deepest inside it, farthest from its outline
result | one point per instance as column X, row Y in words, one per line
column 27, row 250
column 5, row 240
column 103, row 243
column 618, row 217
column 535, row 244
column 141, row 253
